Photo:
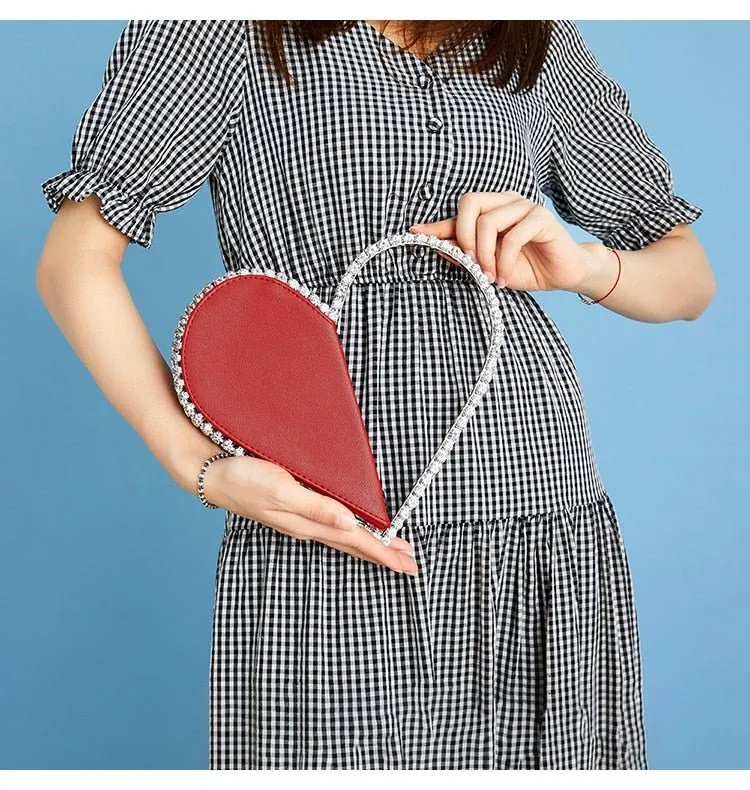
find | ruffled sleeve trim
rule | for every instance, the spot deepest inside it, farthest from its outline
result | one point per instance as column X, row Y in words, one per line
column 652, row 223
column 129, row 215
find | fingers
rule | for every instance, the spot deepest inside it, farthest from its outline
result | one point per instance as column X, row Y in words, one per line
column 358, row 542
column 471, row 205
column 281, row 502
column 443, row 229
column 399, row 561
column 292, row 496
column 530, row 228
column 402, row 545
column 306, row 514
column 489, row 226
column 480, row 217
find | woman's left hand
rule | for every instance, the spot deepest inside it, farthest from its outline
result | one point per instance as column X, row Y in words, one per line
column 517, row 242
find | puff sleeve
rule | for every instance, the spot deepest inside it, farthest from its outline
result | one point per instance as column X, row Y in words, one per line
column 605, row 173
column 168, row 103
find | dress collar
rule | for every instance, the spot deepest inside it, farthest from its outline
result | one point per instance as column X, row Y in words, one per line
column 407, row 67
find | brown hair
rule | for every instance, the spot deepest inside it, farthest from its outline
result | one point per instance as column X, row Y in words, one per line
column 509, row 45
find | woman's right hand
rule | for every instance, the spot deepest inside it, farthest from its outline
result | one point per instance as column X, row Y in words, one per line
column 266, row 492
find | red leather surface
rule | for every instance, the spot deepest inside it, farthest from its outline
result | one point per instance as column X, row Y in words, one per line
column 266, row 367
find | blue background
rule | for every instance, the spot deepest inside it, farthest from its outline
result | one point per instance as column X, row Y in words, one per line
column 107, row 566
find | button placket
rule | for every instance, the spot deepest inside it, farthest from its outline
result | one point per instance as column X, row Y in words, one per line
column 432, row 93
column 440, row 152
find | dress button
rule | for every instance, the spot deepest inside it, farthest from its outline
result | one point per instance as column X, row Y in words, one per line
column 434, row 124
column 426, row 191
column 424, row 81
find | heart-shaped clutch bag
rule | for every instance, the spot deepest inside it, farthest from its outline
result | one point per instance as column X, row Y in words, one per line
column 258, row 366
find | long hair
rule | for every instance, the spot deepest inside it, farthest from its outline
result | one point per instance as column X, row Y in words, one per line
column 509, row 45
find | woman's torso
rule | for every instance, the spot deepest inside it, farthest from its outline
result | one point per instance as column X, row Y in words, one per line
column 370, row 141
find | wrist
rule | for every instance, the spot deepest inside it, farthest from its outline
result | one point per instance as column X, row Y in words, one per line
column 602, row 268
column 186, row 463
column 208, row 497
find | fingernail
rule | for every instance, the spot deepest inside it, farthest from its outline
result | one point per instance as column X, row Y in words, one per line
column 501, row 282
column 409, row 550
column 345, row 522
column 407, row 566
column 414, row 227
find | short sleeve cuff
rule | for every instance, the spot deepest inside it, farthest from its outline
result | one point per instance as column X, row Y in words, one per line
column 651, row 223
column 124, row 212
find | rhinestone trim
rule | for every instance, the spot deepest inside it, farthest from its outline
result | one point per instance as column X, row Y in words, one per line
column 333, row 311
column 483, row 381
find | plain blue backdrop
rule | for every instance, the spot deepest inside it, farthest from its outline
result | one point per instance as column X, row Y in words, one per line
column 107, row 566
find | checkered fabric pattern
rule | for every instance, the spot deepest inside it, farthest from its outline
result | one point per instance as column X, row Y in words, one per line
column 517, row 645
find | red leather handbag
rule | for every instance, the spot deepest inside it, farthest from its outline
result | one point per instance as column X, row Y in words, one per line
column 258, row 366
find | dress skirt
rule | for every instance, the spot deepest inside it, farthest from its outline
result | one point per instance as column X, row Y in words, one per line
column 516, row 645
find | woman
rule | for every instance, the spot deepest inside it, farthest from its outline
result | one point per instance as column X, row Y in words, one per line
column 508, row 636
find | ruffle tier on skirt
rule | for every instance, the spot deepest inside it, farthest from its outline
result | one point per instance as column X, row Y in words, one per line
column 516, row 646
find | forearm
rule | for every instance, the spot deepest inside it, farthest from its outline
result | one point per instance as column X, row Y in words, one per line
column 665, row 281
column 92, row 306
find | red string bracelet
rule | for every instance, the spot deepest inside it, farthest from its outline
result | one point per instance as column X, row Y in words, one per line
column 586, row 300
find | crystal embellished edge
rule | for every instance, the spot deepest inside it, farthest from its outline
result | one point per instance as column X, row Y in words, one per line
column 482, row 383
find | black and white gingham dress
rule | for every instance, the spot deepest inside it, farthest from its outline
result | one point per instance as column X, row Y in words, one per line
column 517, row 644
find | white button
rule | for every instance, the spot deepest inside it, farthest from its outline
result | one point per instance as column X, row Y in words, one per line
column 434, row 124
